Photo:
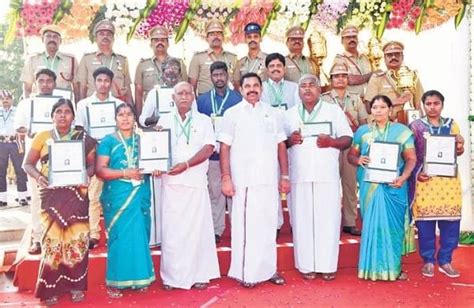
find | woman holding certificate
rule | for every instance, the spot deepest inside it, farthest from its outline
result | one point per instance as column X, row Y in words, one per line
column 64, row 205
column 126, row 203
column 383, row 190
column 435, row 186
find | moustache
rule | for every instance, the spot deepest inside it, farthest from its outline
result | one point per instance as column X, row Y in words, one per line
column 276, row 71
column 252, row 92
column 216, row 40
column 160, row 45
column 253, row 42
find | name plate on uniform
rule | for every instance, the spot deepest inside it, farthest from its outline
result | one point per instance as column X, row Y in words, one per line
column 412, row 115
column 67, row 165
column 64, row 93
column 164, row 100
column 383, row 162
column 41, row 118
column 154, row 150
column 314, row 129
column 440, row 156
column 101, row 119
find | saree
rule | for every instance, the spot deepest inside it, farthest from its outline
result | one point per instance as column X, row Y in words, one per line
column 383, row 209
column 126, row 207
column 65, row 220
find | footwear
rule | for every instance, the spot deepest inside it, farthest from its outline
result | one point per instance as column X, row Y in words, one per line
column 449, row 270
column 402, row 276
column 277, row 279
column 200, row 285
column 53, row 300
column 167, row 287
column 248, row 285
column 114, row 293
column 309, row 276
column 3, row 203
column 218, row 238
column 428, row 270
column 35, row 249
column 93, row 242
column 23, row 202
column 329, row 276
column 351, row 230
column 77, row 296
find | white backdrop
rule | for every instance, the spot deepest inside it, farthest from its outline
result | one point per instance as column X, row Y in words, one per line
column 440, row 55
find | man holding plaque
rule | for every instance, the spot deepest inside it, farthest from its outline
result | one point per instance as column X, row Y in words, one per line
column 252, row 151
column 398, row 83
column 442, row 208
column 149, row 71
column 186, row 207
column 103, row 80
column 356, row 115
column 214, row 104
column 317, row 132
column 104, row 32
column 46, row 81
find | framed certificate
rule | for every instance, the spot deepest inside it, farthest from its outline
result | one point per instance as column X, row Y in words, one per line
column 101, row 119
column 41, row 107
column 67, row 165
column 440, row 156
column 383, row 165
column 65, row 93
column 314, row 129
column 164, row 100
column 412, row 115
column 154, row 150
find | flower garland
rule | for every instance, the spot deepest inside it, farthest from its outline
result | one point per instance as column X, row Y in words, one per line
column 75, row 25
column 123, row 13
column 249, row 12
column 168, row 13
column 329, row 13
column 291, row 13
column 35, row 14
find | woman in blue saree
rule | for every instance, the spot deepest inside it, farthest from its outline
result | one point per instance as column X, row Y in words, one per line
column 126, row 203
column 383, row 205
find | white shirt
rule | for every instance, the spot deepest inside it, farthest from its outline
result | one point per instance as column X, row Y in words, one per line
column 308, row 162
column 81, row 114
column 291, row 95
column 201, row 134
column 253, row 133
column 23, row 114
column 6, row 121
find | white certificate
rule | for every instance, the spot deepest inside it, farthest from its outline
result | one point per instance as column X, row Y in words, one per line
column 100, row 132
column 380, row 176
column 164, row 100
column 41, row 107
column 383, row 162
column 64, row 93
column 433, row 169
column 67, row 165
column 440, row 156
column 314, row 129
column 154, row 151
column 101, row 119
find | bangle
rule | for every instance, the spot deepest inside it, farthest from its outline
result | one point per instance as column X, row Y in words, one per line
column 187, row 165
column 285, row 177
column 123, row 173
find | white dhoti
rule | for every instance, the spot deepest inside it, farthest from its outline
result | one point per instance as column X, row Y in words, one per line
column 155, row 213
column 316, row 226
column 254, row 221
column 188, row 249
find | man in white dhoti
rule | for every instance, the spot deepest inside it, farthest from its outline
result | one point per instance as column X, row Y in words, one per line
column 252, row 149
column 188, row 249
column 317, row 132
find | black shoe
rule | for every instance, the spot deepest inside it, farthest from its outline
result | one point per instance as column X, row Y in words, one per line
column 93, row 243
column 28, row 198
column 218, row 238
column 351, row 230
column 3, row 204
column 23, row 202
column 35, row 249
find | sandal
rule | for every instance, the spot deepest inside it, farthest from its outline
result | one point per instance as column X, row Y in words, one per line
column 277, row 279
column 309, row 276
column 248, row 285
column 53, row 300
column 428, row 270
column 142, row 289
column 114, row 293
column 402, row 276
column 329, row 276
column 167, row 287
column 200, row 285
column 77, row 296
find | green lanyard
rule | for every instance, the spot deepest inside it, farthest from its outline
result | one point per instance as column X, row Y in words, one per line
column 431, row 127
column 218, row 111
column 51, row 64
column 57, row 136
column 375, row 131
column 312, row 115
column 185, row 127
column 128, row 150
column 277, row 93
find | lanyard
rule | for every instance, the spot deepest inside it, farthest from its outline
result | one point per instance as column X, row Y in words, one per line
column 343, row 104
column 111, row 63
column 51, row 64
column 431, row 127
column 128, row 149
column 312, row 115
column 277, row 93
column 375, row 130
column 185, row 127
column 254, row 63
column 8, row 115
column 218, row 111
column 157, row 70
column 57, row 136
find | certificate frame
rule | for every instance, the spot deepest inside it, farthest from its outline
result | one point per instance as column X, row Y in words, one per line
column 147, row 147
column 62, row 92
column 67, row 163
column 444, row 163
column 106, row 121
column 40, row 116
column 378, row 171
column 309, row 129
column 161, row 96
column 412, row 115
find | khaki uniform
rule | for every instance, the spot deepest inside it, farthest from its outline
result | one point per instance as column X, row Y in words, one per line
column 148, row 73
column 297, row 67
column 352, row 105
column 117, row 63
column 383, row 85
column 246, row 65
column 199, row 68
column 64, row 66
column 357, row 66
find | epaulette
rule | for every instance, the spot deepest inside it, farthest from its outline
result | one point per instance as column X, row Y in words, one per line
column 200, row 52
column 144, row 59
column 119, row 55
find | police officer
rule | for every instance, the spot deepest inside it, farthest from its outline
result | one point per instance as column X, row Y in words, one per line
column 254, row 61
column 199, row 73
column 296, row 63
column 63, row 65
column 149, row 71
column 104, row 32
column 354, row 109
column 10, row 150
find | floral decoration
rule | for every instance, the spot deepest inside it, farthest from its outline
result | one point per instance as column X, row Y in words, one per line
column 404, row 14
column 440, row 12
column 291, row 13
column 249, row 12
column 168, row 13
column 123, row 13
column 35, row 14
column 209, row 9
column 329, row 13
column 75, row 24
